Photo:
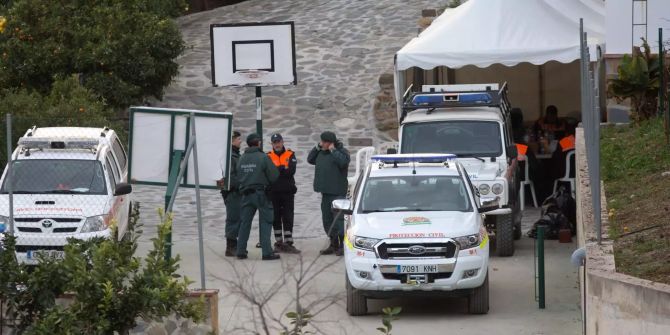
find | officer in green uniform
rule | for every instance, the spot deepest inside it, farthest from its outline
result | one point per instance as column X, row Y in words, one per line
column 232, row 198
column 256, row 172
column 331, row 162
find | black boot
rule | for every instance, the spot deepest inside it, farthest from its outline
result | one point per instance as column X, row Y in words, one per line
column 340, row 247
column 331, row 248
column 231, row 247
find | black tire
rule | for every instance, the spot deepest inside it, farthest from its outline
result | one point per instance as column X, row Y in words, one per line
column 478, row 301
column 504, row 235
column 357, row 304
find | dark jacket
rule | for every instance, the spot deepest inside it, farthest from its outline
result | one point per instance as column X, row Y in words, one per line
column 234, row 178
column 255, row 170
column 286, row 181
column 330, row 175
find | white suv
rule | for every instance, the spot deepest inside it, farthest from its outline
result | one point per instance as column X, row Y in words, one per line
column 414, row 226
column 67, row 182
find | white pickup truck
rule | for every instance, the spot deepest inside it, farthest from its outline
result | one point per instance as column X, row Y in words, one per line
column 473, row 122
column 415, row 226
column 67, row 182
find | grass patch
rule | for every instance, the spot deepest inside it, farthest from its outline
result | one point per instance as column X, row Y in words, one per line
column 633, row 159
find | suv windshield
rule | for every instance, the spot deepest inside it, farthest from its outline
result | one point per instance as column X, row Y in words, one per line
column 415, row 193
column 462, row 138
column 64, row 176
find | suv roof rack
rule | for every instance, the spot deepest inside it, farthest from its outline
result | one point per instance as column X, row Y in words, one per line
column 486, row 95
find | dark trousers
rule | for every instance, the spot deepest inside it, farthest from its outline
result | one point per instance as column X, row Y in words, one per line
column 233, row 201
column 333, row 224
column 283, row 204
column 251, row 203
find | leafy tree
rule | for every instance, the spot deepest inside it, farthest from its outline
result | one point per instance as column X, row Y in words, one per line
column 123, row 50
column 638, row 80
column 111, row 287
column 66, row 104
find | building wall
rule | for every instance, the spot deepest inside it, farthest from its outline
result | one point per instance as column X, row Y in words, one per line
column 620, row 25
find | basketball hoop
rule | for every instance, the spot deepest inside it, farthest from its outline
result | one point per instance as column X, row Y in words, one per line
column 253, row 74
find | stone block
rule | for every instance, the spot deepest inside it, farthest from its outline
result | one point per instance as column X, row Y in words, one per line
column 429, row 12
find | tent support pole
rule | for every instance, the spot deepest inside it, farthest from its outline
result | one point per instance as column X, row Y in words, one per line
column 540, row 72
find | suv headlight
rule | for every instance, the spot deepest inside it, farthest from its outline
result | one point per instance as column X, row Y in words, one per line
column 497, row 188
column 93, row 224
column 484, row 189
column 365, row 243
column 469, row 241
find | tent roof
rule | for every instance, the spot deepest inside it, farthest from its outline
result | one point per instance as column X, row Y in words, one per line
column 486, row 32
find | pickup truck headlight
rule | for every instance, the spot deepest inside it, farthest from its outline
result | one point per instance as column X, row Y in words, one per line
column 365, row 243
column 467, row 242
column 497, row 188
column 93, row 224
column 484, row 189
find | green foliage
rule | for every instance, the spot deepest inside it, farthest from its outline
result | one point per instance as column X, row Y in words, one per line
column 638, row 80
column 299, row 320
column 111, row 287
column 390, row 314
column 66, row 104
column 123, row 50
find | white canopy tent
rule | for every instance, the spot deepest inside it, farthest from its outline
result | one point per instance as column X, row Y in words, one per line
column 487, row 32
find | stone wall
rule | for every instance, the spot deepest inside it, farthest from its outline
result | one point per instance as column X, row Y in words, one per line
column 615, row 303
column 384, row 107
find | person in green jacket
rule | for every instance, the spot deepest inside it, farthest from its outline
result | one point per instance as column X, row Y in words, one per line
column 256, row 172
column 232, row 197
column 331, row 162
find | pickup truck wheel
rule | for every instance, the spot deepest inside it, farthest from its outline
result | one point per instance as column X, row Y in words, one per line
column 357, row 304
column 478, row 301
column 504, row 235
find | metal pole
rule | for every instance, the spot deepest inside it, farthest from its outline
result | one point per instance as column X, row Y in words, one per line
column 661, row 93
column 10, row 187
column 259, row 114
column 182, row 169
column 540, row 264
column 201, row 248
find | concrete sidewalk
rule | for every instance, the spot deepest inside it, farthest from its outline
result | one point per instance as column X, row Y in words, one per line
column 513, row 306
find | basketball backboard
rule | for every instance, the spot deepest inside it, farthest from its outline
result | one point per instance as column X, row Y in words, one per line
column 253, row 54
column 156, row 132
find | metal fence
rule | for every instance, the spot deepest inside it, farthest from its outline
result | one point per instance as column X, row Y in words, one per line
column 590, row 87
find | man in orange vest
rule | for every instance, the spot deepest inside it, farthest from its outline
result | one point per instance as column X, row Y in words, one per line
column 282, row 194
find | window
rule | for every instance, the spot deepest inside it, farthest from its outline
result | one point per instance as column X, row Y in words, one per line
column 415, row 193
column 115, row 169
column 112, row 178
column 119, row 153
column 462, row 138
column 54, row 176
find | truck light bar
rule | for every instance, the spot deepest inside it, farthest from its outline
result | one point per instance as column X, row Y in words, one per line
column 413, row 158
column 450, row 99
column 58, row 143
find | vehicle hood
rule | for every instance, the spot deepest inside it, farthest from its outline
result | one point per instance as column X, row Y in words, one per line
column 58, row 205
column 478, row 170
column 415, row 224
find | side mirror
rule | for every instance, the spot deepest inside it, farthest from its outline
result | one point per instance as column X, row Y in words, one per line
column 391, row 151
column 123, row 189
column 342, row 206
column 512, row 151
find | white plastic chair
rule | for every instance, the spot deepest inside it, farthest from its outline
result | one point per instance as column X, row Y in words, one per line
column 567, row 178
column 526, row 182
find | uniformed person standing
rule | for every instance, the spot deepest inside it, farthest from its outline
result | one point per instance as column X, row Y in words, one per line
column 330, row 179
column 232, row 198
column 256, row 172
column 282, row 194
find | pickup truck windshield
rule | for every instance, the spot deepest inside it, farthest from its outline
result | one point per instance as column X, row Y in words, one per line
column 462, row 138
column 56, row 176
column 415, row 193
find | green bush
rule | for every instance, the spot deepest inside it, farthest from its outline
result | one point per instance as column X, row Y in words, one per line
column 123, row 50
column 111, row 287
column 67, row 104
